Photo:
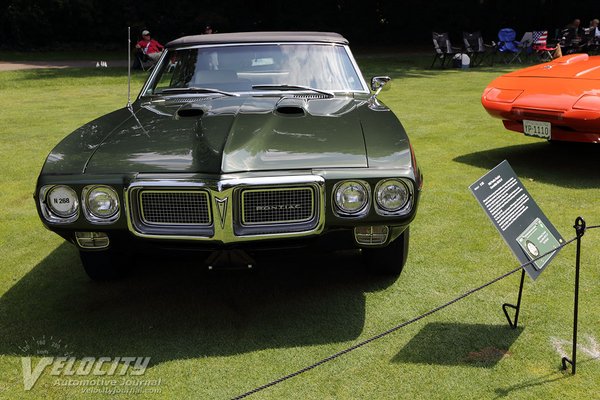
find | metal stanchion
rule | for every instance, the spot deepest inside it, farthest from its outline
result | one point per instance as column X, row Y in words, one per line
column 517, row 308
column 580, row 231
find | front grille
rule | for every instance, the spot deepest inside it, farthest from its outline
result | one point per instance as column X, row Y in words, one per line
column 159, row 207
column 277, row 206
column 538, row 114
column 252, row 209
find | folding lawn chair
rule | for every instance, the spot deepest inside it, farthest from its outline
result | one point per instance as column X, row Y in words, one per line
column 142, row 60
column 508, row 47
column 540, row 45
column 475, row 48
column 526, row 46
column 443, row 49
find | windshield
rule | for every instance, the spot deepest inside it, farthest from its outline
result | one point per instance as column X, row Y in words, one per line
column 262, row 67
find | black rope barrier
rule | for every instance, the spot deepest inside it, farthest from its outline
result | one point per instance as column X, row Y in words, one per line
column 406, row 323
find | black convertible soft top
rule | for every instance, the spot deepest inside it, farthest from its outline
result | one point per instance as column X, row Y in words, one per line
column 259, row 37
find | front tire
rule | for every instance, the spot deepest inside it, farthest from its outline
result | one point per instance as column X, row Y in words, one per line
column 389, row 260
column 104, row 265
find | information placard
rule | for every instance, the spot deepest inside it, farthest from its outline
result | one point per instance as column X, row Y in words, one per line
column 520, row 221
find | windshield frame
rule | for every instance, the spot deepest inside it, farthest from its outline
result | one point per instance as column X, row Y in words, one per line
column 155, row 71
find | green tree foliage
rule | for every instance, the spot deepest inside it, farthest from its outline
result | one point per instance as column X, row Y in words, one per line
column 69, row 23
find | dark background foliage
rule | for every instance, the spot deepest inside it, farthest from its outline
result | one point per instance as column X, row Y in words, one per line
column 56, row 24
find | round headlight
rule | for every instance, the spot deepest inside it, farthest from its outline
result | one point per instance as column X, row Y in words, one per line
column 62, row 201
column 351, row 197
column 392, row 195
column 102, row 202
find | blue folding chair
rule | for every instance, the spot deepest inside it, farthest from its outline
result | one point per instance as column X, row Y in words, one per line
column 508, row 47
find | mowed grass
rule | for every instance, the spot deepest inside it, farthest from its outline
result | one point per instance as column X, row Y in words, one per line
column 219, row 335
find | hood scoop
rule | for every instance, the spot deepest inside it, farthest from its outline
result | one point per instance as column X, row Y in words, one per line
column 189, row 111
column 291, row 107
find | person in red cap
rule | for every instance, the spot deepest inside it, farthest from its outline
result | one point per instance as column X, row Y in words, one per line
column 150, row 47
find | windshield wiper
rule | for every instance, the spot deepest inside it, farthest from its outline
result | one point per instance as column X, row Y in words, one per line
column 292, row 87
column 198, row 90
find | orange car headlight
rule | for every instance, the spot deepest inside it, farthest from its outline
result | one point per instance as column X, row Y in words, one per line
column 503, row 95
column 588, row 102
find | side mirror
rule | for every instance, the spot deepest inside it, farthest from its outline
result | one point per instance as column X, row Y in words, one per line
column 378, row 83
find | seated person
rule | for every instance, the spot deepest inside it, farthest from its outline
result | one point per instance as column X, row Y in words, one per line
column 595, row 29
column 150, row 47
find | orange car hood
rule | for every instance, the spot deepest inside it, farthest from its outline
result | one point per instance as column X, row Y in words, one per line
column 575, row 66
column 556, row 85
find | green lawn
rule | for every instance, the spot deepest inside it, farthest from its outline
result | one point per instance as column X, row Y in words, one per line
column 219, row 335
column 66, row 55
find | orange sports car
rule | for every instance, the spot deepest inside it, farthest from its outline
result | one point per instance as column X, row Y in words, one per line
column 559, row 100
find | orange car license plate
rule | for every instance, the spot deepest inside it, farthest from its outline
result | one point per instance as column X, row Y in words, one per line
column 537, row 128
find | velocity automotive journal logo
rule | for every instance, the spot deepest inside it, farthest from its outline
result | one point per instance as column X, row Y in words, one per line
column 94, row 374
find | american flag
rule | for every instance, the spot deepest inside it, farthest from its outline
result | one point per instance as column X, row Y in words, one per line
column 540, row 37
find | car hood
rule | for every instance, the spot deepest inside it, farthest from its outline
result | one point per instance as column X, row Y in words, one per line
column 233, row 134
column 554, row 86
column 575, row 66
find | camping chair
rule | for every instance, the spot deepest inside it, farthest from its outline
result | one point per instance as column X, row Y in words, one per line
column 526, row 46
column 475, row 48
column 540, row 45
column 443, row 49
column 142, row 61
column 508, row 47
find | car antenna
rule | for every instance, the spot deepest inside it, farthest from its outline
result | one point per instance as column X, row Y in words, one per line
column 129, row 68
column 129, row 105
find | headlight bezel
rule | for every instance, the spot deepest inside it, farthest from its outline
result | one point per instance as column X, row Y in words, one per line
column 587, row 102
column 360, row 212
column 89, row 213
column 50, row 214
column 401, row 210
column 507, row 96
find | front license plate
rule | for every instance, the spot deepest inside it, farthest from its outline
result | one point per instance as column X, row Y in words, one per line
column 537, row 128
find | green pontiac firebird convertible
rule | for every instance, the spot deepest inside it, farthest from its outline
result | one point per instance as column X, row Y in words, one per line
column 238, row 143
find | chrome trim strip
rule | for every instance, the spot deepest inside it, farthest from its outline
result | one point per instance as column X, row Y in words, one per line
column 357, row 70
column 227, row 188
column 153, row 74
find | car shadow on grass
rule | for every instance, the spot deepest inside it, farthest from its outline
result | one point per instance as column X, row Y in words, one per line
column 170, row 310
column 451, row 344
column 570, row 165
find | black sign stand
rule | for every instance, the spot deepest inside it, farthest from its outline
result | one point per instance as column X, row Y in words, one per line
column 517, row 308
column 579, row 230
column 527, row 232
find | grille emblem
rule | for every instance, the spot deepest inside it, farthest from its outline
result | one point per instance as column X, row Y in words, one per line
column 278, row 207
column 222, row 210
